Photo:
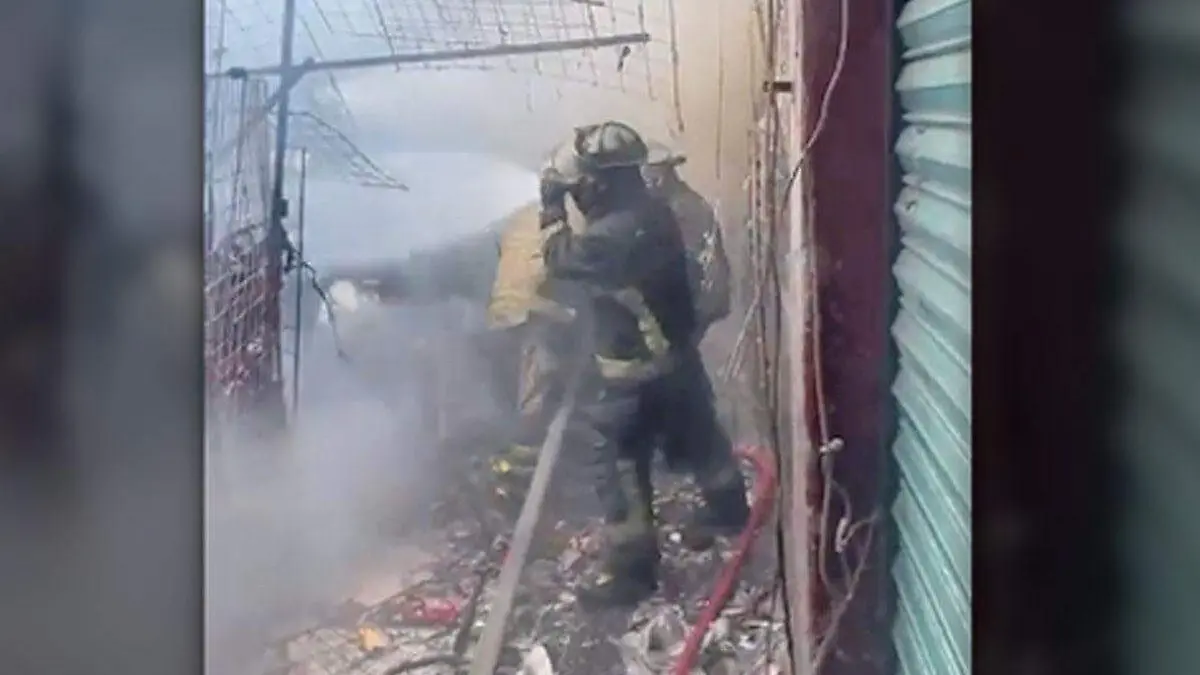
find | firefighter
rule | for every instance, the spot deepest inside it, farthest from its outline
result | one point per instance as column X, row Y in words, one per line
column 625, row 276
column 502, row 267
column 708, row 269
column 709, row 265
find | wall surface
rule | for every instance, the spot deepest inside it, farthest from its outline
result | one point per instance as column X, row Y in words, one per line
column 844, row 139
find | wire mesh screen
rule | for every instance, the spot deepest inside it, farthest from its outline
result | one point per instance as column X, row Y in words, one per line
column 433, row 25
column 238, row 156
column 248, row 31
column 333, row 154
column 241, row 334
column 241, row 297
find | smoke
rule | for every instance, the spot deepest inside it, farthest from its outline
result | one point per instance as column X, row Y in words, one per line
column 721, row 73
column 296, row 524
column 516, row 117
column 519, row 117
column 293, row 524
column 722, row 68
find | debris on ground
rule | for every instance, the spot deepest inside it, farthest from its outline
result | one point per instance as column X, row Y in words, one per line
column 430, row 626
column 537, row 662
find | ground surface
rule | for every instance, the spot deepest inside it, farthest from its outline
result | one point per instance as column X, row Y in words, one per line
column 379, row 631
column 366, row 451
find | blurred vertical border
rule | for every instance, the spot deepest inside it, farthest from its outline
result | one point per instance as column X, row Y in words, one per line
column 101, row 464
column 1047, row 589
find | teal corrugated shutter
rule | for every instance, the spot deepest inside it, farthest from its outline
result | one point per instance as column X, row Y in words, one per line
column 932, row 331
column 1159, row 329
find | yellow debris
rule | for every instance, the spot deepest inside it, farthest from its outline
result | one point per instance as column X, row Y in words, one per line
column 371, row 638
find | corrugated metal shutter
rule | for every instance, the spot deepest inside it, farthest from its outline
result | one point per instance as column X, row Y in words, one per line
column 1159, row 330
column 932, row 570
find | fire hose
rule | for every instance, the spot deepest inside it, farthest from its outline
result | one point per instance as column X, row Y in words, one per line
column 760, row 509
column 490, row 644
column 487, row 653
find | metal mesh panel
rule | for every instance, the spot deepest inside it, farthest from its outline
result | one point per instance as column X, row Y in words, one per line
column 242, row 299
column 241, row 330
column 332, row 29
column 237, row 154
column 242, row 355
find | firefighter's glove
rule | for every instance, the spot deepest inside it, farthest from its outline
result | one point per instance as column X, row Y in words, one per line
column 553, row 203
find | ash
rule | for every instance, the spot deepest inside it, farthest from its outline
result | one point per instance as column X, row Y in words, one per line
column 424, row 608
column 438, row 596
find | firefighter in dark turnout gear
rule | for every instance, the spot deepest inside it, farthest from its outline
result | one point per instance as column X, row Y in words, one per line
column 625, row 274
column 708, row 269
column 708, row 265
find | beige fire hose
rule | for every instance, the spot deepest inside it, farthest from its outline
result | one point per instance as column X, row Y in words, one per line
column 491, row 642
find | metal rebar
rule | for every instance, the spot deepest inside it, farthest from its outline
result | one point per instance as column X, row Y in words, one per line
column 441, row 56
column 276, row 237
column 297, row 329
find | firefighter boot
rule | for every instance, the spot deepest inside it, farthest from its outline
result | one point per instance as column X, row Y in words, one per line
column 724, row 513
column 629, row 559
column 628, row 573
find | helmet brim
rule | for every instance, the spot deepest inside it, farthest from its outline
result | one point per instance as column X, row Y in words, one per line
column 667, row 162
column 661, row 154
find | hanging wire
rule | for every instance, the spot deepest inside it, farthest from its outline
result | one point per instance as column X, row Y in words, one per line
column 720, row 125
column 676, row 97
column 641, row 26
column 765, row 313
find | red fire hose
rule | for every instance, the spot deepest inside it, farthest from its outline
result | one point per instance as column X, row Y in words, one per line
column 763, row 500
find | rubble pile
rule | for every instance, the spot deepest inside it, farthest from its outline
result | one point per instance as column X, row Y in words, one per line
column 430, row 626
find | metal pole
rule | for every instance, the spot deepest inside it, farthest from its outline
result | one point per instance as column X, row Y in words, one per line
column 298, row 328
column 281, row 118
column 276, row 237
column 442, row 56
column 210, row 203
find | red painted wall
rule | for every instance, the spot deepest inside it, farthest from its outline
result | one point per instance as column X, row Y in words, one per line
column 849, row 170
